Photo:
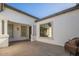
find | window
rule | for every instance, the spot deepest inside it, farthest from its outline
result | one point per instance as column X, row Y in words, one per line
column 45, row 30
column 10, row 30
column 2, row 26
column 23, row 31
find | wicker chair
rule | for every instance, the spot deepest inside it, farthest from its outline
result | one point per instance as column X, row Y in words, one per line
column 72, row 46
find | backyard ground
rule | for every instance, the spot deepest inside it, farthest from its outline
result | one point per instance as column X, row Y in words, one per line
column 26, row 48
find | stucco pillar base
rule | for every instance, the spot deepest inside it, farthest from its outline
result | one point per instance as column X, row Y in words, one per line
column 4, row 41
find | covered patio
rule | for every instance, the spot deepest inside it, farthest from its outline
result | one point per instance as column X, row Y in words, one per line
column 19, row 31
column 15, row 26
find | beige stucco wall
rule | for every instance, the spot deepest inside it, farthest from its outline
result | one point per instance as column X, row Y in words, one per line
column 64, row 28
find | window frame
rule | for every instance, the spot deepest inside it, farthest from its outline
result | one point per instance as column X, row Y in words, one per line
column 22, row 31
column 40, row 30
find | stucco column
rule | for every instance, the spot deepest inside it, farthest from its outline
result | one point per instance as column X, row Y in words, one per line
column 3, row 37
column 0, row 27
column 32, row 33
column 5, row 27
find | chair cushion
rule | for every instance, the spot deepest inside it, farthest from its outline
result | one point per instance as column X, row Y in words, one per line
column 72, row 45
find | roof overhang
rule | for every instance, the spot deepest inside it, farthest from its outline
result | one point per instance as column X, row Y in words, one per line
column 61, row 12
column 25, row 13
column 53, row 15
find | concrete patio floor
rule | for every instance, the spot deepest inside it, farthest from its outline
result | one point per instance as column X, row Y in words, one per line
column 32, row 49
